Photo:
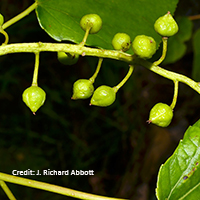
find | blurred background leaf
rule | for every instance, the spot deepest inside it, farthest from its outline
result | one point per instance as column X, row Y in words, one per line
column 196, row 61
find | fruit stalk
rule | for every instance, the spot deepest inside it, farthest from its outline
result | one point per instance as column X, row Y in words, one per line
column 7, row 190
column 92, row 79
column 87, row 32
column 20, row 16
column 6, row 36
column 164, row 39
column 130, row 71
column 175, row 95
column 35, row 73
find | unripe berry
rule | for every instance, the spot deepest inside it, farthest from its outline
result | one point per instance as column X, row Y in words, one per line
column 103, row 96
column 121, row 41
column 91, row 20
column 161, row 114
column 67, row 59
column 1, row 19
column 144, row 46
column 82, row 89
column 166, row 25
column 34, row 97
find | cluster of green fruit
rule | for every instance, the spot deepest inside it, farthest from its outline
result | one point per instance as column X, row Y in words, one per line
column 143, row 46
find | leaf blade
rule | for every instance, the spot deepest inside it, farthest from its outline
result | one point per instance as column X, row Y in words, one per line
column 178, row 177
column 60, row 19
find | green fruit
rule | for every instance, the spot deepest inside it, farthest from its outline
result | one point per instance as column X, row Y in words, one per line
column 91, row 20
column 161, row 114
column 82, row 89
column 166, row 25
column 1, row 19
column 67, row 59
column 121, row 41
column 34, row 97
column 144, row 46
column 103, row 96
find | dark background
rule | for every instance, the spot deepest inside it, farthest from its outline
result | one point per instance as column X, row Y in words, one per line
column 116, row 142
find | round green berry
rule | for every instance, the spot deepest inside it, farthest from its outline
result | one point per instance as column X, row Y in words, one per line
column 103, row 96
column 67, row 58
column 166, row 25
column 161, row 114
column 121, row 41
column 144, row 46
column 1, row 19
column 82, row 89
column 91, row 20
column 34, row 97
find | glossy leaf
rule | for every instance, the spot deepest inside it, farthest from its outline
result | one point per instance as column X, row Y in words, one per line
column 178, row 178
column 196, row 60
column 60, row 18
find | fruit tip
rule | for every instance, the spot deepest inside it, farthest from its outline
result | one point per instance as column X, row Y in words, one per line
column 73, row 97
column 34, row 113
column 149, row 121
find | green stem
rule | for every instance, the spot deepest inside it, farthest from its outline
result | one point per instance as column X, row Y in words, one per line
column 169, row 74
column 164, row 39
column 70, row 48
column 7, row 190
column 87, row 32
column 52, row 188
column 92, row 79
column 36, row 69
column 130, row 71
column 6, row 36
column 112, row 54
column 20, row 16
column 175, row 94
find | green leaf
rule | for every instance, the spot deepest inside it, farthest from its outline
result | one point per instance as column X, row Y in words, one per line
column 60, row 18
column 196, row 58
column 176, row 44
column 179, row 177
